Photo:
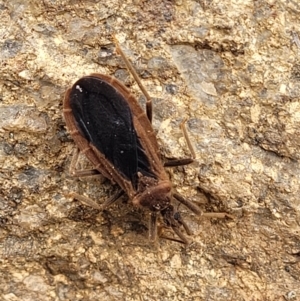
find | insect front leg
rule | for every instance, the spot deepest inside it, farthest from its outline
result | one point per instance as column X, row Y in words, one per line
column 197, row 210
column 173, row 220
column 186, row 161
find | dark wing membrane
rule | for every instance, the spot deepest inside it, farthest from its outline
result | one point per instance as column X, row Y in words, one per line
column 104, row 119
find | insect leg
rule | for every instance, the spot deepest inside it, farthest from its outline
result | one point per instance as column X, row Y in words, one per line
column 173, row 220
column 112, row 199
column 177, row 196
column 187, row 203
column 178, row 162
column 84, row 200
column 185, row 161
column 185, row 241
column 153, row 227
column 179, row 219
column 187, row 139
column 136, row 78
column 180, row 235
column 197, row 210
column 91, row 203
column 80, row 173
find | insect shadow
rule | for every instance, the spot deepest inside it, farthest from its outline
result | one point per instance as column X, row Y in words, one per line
column 115, row 134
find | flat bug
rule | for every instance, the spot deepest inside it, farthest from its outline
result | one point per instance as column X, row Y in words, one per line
column 114, row 133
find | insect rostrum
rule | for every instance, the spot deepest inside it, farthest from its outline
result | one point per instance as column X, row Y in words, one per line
column 112, row 130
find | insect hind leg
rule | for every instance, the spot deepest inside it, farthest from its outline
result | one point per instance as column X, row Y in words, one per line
column 91, row 203
column 136, row 78
column 184, row 161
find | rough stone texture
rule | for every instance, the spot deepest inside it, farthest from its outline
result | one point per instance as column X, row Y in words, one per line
column 232, row 69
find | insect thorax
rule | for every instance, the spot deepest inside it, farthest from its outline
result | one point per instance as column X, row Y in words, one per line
column 152, row 193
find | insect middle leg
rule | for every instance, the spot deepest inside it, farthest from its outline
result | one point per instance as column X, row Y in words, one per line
column 184, row 161
column 155, row 230
column 180, row 162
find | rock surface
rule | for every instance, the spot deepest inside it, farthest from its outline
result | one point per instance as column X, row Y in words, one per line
column 232, row 69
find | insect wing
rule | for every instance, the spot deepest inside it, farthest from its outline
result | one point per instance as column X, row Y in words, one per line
column 104, row 118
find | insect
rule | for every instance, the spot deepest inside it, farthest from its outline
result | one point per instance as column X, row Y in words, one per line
column 111, row 129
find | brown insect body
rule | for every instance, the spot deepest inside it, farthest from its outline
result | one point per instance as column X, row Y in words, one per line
column 147, row 185
column 155, row 194
column 119, row 141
